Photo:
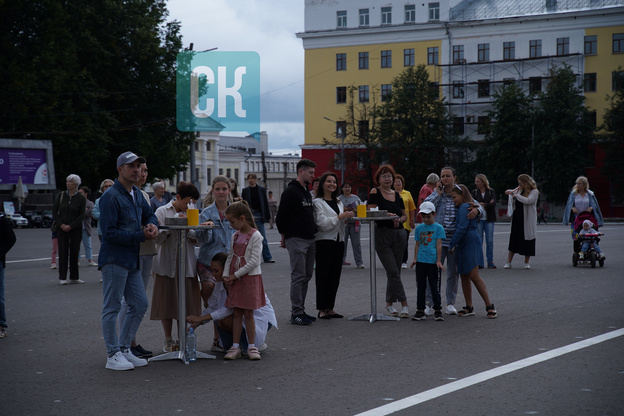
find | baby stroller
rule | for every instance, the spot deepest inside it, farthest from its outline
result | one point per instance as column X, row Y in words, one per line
column 591, row 257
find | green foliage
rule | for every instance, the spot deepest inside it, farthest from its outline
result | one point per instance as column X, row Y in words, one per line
column 96, row 79
column 563, row 131
column 612, row 140
column 506, row 151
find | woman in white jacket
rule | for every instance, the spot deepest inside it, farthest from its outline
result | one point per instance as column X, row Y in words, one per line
column 522, row 207
column 330, row 217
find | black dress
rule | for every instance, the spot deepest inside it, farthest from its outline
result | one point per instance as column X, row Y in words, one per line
column 517, row 243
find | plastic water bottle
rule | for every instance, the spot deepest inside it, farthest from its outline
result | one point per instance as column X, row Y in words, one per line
column 191, row 345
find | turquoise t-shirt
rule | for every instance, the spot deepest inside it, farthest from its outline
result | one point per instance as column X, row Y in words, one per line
column 427, row 236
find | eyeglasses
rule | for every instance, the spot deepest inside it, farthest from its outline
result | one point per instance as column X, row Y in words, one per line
column 385, row 176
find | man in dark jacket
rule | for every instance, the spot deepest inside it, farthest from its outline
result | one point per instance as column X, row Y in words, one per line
column 256, row 197
column 7, row 239
column 295, row 222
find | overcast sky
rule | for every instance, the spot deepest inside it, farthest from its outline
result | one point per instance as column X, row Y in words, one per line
column 266, row 27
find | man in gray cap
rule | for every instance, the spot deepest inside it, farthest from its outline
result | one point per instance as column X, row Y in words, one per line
column 126, row 220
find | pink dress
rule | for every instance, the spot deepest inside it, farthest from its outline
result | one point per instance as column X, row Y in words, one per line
column 248, row 291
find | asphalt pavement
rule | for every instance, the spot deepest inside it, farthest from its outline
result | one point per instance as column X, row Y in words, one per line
column 555, row 348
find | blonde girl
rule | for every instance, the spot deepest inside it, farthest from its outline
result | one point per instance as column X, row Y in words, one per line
column 522, row 208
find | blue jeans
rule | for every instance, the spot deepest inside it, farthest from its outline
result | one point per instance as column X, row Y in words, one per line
column 488, row 227
column 118, row 282
column 355, row 243
column 3, row 322
column 86, row 243
column 266, row 253
column 584, row 248
column 145, row 265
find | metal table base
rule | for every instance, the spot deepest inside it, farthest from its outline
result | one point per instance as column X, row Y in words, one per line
column 373, row 315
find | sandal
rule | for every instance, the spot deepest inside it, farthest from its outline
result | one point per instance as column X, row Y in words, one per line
column 466, row 311
column 491, row 311
column 324, row 316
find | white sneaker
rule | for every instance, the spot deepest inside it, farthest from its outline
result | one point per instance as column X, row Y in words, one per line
column 63, row 282
column 118, row 362
column 404, row 312
column 404, row 266
column 392, row 311
column 527, row 266
column 450, row 310
column 507, row 266
column 53, row 266
column 428, row 310
column 133, row 359
column 262, row 347
column 92, row 263
column 76, row 282
column 361, row 266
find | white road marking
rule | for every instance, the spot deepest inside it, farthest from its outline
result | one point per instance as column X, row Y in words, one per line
column 487, row 375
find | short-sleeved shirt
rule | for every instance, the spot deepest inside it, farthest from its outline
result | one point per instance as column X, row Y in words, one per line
column 427, row 236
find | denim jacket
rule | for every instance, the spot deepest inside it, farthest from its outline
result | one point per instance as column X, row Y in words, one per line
column 593, row 202
column 122, row 219
column 216, row 240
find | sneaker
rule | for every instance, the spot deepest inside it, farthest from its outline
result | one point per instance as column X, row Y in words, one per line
column 507, row 266
column 53, row 266
column 269, row 261
column 437, row 315
column 233, row 353
column 63, row 281
column 169, row 345
column 119, row 362
column 253, row 353
column 3, row 332
column 262, row 347
column 404, row 312
column 392, row 311
column 361, row 266
column 428, row 310
column 76, row 281
column 527, row 266
column 420, row 315
column 92, row 263
column 491, row 266
column 141, row 352
column 133, row 359
column 300, row 319
column 310, row 318
column 404, row 266
column 346, row 263
column 450, row 310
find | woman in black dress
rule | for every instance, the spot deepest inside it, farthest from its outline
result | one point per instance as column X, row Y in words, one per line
column 522, row 207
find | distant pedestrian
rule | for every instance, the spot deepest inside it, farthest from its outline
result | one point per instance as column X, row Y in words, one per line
column 352, row 228
column 86, row 226
column 158, row 200
column 7, row 240
column 256, row 197
column 486, row 197
column 106, row 183
column 427, row 189
column 272, row 208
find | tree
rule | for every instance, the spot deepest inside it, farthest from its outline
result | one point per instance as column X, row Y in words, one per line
column 96, row 80
column 612, row 138
column 504, row 154
column 563, row 131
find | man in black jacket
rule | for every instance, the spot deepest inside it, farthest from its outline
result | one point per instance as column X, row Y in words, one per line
column 256, row 197
column 7, row 239
column 295, row 222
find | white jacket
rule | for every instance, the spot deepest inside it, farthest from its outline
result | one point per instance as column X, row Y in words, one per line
column 253, row 255
column 529, row 212
column 327, row 222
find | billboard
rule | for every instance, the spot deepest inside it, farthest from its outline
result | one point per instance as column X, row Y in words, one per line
column 29, row 159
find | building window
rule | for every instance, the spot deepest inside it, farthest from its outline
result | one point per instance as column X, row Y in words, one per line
column 618, row 42
column 363, row 128
column 617, row 80
column 435, row 89
column 386, row 89
column 386, row 59
column 228, row 173
column 341, row 62
column 458, row 54
column 408, row 57
column 434, row 11
column 410, row 13
column 458, row 89
column 208, row 147
column 535, row 48
column 535, row 85
column 196, row 145
column 483, row 53
column 236, row 174
column 364, row 17
column 563, row 46
column 386, row 15
column 433, row 56
column 509, row 51
column 589, row 82
column 363, row 93
column 341, row 17
column 483, row 124
column 458, row 126
column 591, row 45
column 341, row 95
column 484, row 88
column 220, row 171
column 363, row 60
column 209, row 175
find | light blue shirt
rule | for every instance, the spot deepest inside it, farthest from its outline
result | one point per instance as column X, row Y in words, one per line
column 427, row 236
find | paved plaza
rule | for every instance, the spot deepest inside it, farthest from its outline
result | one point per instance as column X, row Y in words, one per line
column 555, row 349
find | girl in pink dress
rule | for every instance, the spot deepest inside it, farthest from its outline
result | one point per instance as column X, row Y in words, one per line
column 244, row 283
